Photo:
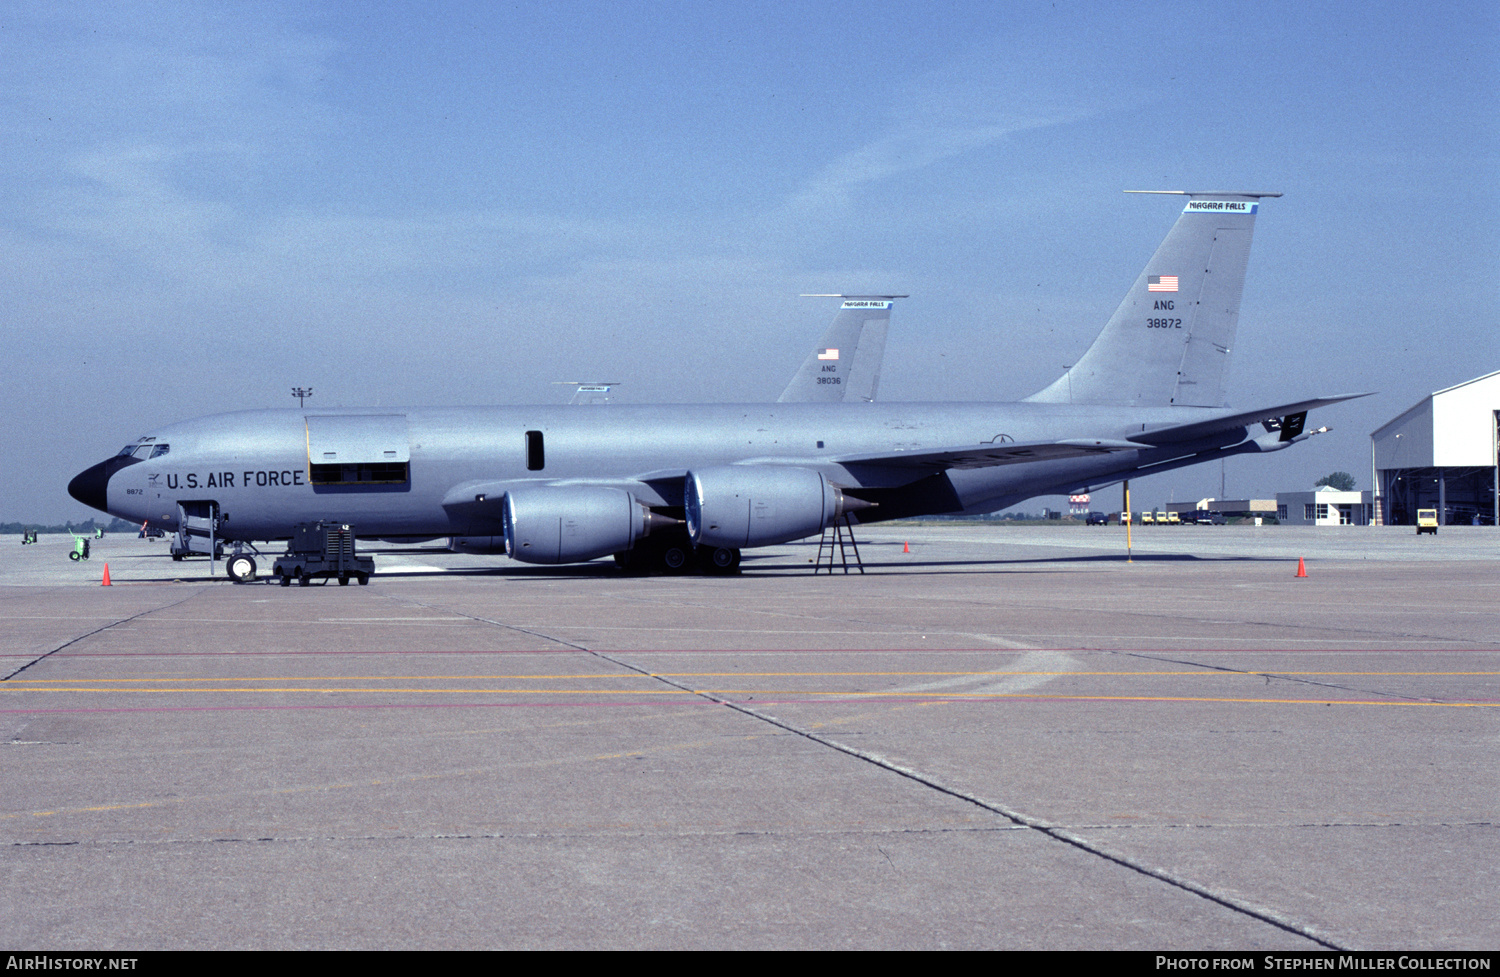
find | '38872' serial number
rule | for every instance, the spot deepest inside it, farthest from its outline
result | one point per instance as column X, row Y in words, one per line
column 1163, row 323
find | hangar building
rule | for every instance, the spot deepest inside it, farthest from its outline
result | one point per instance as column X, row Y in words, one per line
column 1441, row 454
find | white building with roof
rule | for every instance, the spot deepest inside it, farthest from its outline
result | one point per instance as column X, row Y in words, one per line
column 1441, row 453
column 1325, row 506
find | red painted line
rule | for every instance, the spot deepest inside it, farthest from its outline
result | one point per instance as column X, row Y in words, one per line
column 678, row 701
column 315, row 654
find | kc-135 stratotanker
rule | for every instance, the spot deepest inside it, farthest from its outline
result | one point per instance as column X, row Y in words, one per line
column 671, row 486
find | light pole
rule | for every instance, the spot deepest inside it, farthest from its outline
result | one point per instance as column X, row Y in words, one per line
column 300, row 393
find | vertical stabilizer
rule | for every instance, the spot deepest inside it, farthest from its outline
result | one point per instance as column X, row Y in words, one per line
column 845, row 366
column 1168, row 343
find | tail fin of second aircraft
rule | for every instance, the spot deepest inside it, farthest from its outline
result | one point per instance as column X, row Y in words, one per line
column 1168, row 343
column 846, row 364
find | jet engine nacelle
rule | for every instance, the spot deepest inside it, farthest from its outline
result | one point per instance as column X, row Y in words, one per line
column 573, row 523
column 737, row 506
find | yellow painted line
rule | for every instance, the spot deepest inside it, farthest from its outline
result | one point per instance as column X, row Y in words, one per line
column 106, row 807
column 396, row 781
column 1197, row 673
column 658, row 690
column 42, row 682
column 1004, row 673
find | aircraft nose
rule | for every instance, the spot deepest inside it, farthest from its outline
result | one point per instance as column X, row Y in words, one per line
column 91, row 485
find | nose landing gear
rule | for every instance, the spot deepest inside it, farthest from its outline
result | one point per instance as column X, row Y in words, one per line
column 241, row 568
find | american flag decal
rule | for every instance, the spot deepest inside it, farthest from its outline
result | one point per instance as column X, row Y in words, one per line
column 1161, row 283
column 833, row 354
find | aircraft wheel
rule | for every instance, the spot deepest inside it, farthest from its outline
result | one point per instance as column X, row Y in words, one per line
column 719, row 560
column 674, row 558
column 241, row 569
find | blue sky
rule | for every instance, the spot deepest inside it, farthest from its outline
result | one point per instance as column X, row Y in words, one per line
column 204, row 205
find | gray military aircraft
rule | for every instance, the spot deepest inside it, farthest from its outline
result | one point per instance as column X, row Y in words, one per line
column 657, row 486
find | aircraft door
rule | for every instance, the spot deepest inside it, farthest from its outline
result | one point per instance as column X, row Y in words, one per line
column 197, row 530
column 358, row 450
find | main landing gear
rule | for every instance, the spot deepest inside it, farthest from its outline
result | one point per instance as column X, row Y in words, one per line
column 673, row 558
column 718, row 559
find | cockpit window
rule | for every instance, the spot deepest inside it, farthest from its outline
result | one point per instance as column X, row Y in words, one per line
column 143, row 449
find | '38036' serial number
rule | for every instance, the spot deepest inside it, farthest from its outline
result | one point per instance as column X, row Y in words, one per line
column 1163, row 323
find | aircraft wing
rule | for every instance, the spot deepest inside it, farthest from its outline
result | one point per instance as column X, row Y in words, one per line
column 989, row 455
column 1287, row 417
column 1200, row 429
column 482, row 498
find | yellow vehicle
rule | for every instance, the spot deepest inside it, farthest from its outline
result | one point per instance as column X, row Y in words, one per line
column 1173, row 519
column 1148, row 519
column 1427, row 521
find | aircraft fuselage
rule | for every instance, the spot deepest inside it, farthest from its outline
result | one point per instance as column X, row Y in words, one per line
column 258, row 466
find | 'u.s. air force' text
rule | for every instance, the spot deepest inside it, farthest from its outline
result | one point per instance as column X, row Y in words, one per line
column 259, row 479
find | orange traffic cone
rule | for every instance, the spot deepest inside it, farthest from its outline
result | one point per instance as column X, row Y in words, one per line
column 906, row 547
column 106, row 576
column 1301, row 567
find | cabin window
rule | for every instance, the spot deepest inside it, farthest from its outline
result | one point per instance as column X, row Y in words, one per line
column 160, row 450
column 536, row 460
